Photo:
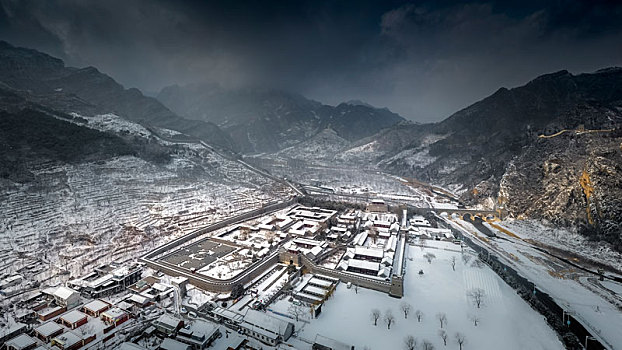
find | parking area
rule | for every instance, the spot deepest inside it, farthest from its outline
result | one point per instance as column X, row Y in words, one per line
column 198, row 255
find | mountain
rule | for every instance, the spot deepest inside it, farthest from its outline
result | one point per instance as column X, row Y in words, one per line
column 45, row 80
column 550, row 149
column 266, row 120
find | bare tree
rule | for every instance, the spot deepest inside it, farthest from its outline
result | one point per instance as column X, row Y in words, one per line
column 375, row 315
column 460, row 339
column 86, row 330
column 410, row 343
column 427, row 345
column 419, row 315
column 296, row 311
column 442, row 318
column 477, row 294
column 389, row 319
column 453, row 263
column 466, row 258
column 373, row 233
column 443, row 335
column 477, row 263
column 405, row 308
column 475, row 319
column 429, row 257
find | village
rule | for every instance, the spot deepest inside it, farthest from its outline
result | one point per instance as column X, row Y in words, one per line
column 267, row 279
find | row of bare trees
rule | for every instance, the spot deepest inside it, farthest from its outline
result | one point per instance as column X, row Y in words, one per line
column 410, row 342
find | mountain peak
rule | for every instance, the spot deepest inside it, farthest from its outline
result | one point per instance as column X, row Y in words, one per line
column 356, row 102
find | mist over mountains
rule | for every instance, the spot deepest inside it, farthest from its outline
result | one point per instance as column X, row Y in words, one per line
column 265, row 120
column 528, row 149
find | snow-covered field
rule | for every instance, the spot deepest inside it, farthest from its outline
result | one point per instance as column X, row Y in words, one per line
column 594, row 303
column 505, row 320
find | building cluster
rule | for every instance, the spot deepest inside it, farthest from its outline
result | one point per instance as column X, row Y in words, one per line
column 371, row 252
column 314, row 289
column 66, row 320
column 107, row 280
column 419, row 227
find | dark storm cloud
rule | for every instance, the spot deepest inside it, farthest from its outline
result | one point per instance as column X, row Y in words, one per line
column 424, row 60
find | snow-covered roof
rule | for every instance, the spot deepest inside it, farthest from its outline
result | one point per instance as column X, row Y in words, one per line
column 265, row 321
column 96, row 305
column 316, row 250
column 331, row 343
column 73, row 316
column 172, row 344
column 364, row 264
column 48, row 329
column 139, row 299
column 168, row 321
column 360, row 238
column 65, row 293
column 179, row 280
column 371, row 252
column 68, row 339
column 22, row 341
column 161, row 287
column 387, row 260
column 15, row 328
column 314, row 290
column 114, row 313
column 130, row 346
column 320, row 282
column 384, row 271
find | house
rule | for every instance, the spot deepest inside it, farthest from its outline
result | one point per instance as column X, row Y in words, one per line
column 115, row 316
column 369, row 254
column 13, row 331
column 363, row 266
column 172, row 344
column 377, row 206
column 51, row 312
column 324, row 343
column 360, row 238
column 48, row 330
column 265, row 328
column 130, row 346
column 199, row 334
column 139, row 300
column 21, row 342
column 95, row 307
column 167, row 325
column 66, row 297
column 68, row 341
column 73, row 319
column 11, row 281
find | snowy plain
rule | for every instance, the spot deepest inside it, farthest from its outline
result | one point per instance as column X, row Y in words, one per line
column 506, row 321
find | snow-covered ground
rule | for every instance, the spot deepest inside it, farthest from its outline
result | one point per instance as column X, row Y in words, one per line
column 565, row 239
column 74, row 217
column 505, row 320
column 578, row 292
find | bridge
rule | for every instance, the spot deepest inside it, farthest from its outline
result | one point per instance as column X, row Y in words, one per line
column 481, row 213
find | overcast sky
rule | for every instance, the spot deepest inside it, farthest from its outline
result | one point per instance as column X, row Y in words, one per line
column 424, row 60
